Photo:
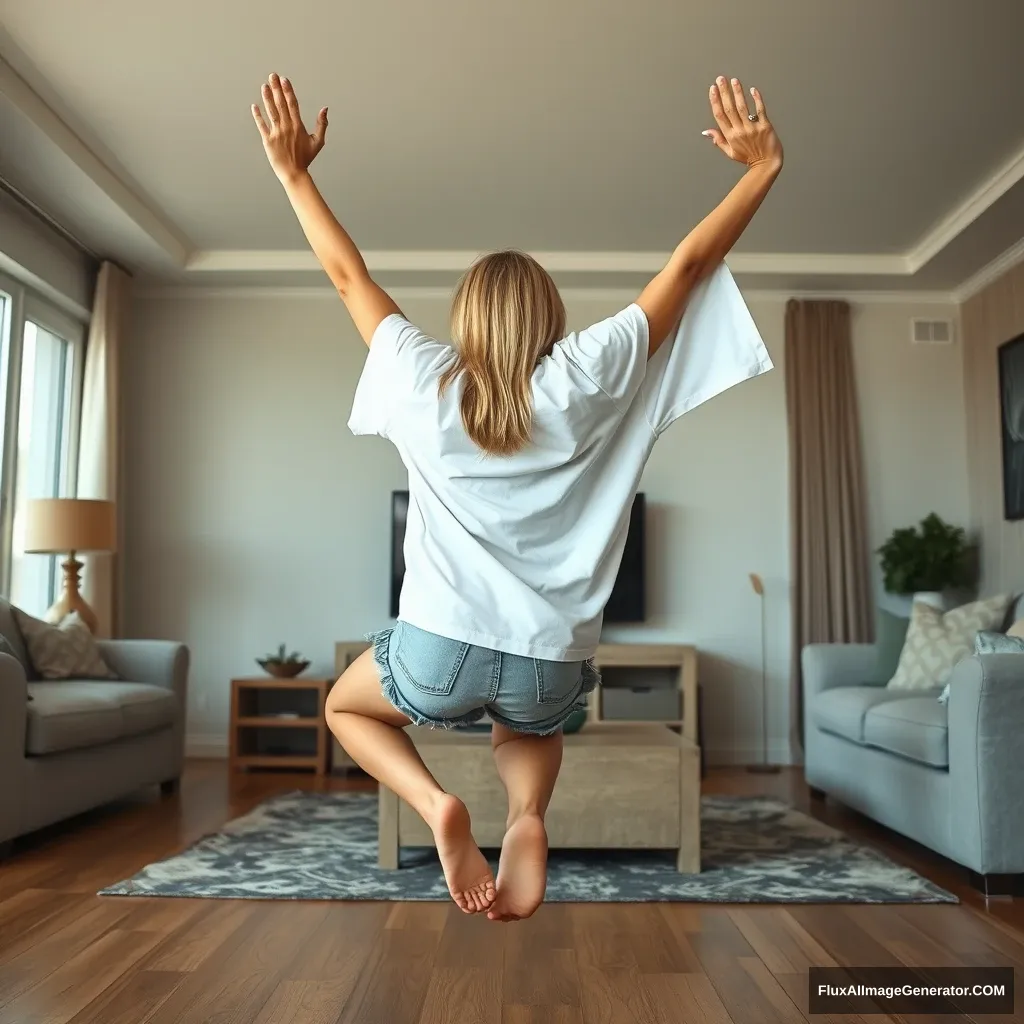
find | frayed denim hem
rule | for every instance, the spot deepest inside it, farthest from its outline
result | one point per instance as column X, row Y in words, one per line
column 381, row 643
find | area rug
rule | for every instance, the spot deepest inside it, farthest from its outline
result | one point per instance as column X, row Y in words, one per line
column 323, row 846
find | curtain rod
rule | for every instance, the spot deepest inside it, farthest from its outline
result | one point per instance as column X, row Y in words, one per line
column 40, row 214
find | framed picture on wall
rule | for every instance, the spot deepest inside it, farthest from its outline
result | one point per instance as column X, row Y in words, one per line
column 1011, row 404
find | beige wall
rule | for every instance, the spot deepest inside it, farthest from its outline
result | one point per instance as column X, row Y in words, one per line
column 253, row 517
column 989, row 318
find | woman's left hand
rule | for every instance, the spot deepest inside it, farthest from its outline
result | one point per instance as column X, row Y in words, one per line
column 289, row 147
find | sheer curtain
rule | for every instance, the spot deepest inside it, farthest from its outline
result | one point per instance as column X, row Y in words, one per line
column 829, row 550
column 99, row 438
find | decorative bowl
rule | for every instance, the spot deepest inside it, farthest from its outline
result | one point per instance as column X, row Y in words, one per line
column 283, row 669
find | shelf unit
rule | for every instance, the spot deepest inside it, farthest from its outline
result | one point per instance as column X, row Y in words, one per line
column 245, row 694
column 680, row 657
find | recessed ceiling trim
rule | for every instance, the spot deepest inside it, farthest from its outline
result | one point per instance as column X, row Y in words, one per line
column 423, row 261
column 412, row 293
column 991, row 272
column 38, row 112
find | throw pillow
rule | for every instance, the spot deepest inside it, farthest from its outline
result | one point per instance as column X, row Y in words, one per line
column 890, row 636
column 991, row 643
column 936, row 641
column 64, row 651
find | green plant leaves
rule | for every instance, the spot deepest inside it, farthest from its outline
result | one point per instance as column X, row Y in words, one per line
column 932, row 556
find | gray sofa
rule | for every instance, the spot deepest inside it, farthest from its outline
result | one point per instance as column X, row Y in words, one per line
column 949, row 776
column 81, row 743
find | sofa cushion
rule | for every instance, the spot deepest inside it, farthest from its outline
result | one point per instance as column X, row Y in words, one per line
column 913, row 727
column 841, row 710
column 68, row 714
column 12, row 634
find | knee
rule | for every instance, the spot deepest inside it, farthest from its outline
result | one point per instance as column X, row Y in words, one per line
column 337, row 700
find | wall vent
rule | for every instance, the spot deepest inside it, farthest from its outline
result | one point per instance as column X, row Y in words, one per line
column 931, row 332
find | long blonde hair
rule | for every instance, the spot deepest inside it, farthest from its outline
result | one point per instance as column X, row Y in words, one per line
column 506, row 315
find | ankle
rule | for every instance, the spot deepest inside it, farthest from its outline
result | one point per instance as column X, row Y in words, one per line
column 525, row 811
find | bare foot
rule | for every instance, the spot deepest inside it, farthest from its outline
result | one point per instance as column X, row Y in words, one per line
column 466, row 870
column 522, row 870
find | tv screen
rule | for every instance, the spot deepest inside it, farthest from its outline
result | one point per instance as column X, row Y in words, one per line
column 628, row 599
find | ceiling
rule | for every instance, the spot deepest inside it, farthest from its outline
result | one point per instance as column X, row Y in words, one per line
column 571, row 129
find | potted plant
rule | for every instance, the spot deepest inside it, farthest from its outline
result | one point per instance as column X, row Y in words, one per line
column 930, row 561
column 283, row 665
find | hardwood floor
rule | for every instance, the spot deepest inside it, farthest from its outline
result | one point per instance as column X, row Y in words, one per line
column 69, row 957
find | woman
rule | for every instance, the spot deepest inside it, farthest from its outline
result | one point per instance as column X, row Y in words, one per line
column 524, row 447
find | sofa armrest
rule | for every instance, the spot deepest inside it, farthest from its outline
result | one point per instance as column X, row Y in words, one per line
column 13, row 725
column 826, row 666
column 986, row 761
column 157, row 662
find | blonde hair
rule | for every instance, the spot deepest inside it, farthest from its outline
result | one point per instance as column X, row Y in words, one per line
column 506, row 316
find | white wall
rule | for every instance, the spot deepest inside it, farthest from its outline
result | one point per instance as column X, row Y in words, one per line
column 253, row 517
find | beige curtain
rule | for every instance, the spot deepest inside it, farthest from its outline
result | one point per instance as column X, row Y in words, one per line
column 829, row 551
column 99, row 438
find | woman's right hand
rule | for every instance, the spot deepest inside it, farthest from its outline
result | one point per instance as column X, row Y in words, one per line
column 750, row 142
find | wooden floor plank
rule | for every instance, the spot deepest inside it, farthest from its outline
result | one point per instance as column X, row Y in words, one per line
column 70, row 957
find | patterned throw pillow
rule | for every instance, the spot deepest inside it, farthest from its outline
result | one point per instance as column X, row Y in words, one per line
column 936, row 641
column 65, row 651
column 992, row 643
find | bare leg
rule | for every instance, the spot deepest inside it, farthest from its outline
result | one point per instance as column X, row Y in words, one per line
column 528, row 767
column 372, row 733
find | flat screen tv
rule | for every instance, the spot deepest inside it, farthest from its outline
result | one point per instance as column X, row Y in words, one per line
column 627, row 602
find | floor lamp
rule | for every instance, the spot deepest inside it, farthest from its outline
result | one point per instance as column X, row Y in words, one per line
column 764, row 768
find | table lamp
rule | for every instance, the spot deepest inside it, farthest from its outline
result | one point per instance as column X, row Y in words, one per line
column 70, row 526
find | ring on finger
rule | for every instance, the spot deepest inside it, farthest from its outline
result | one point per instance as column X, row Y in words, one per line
column 751, row 117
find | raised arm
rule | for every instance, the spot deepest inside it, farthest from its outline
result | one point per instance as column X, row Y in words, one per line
column 746, row 138
column 290, row 148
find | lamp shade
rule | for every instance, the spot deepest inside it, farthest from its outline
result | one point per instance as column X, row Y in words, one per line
column 63, row 525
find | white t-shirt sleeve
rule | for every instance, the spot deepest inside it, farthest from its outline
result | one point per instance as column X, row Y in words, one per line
column 613, row 354
column 716, row 346
column 401, row 364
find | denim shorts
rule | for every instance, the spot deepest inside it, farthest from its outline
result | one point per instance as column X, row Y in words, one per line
column 445, row 683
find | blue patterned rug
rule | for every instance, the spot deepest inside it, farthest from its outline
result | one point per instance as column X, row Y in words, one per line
column 323, row 846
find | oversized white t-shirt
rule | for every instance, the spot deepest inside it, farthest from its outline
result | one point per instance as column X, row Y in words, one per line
column 519, row 553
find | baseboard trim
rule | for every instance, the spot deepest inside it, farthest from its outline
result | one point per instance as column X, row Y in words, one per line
column 212, row 745
column 207, row 745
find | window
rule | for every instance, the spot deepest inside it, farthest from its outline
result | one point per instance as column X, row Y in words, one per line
column 41, row 361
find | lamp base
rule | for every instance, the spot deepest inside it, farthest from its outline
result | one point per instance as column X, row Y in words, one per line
column 763, row 769
column 71, row 600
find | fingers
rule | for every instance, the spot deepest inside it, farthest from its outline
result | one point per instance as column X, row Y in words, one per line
column 762, row 114
column 283, row 113
column 716, row 137
column 270, row 104
column 740, row 99
column 257, row 116
column 319, row 137
column 718, row 110
column 291, row 101
column 728, row 101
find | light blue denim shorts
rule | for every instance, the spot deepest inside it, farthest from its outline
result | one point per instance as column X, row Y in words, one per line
column 446, row 683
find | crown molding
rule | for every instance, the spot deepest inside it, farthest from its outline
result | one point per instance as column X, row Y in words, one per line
column 623, row 296
column 991, row 272
column 293, row 261
column 961, row 217
column 25, row 99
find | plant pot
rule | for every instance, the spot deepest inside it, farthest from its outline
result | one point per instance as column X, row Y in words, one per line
column 283, row 669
